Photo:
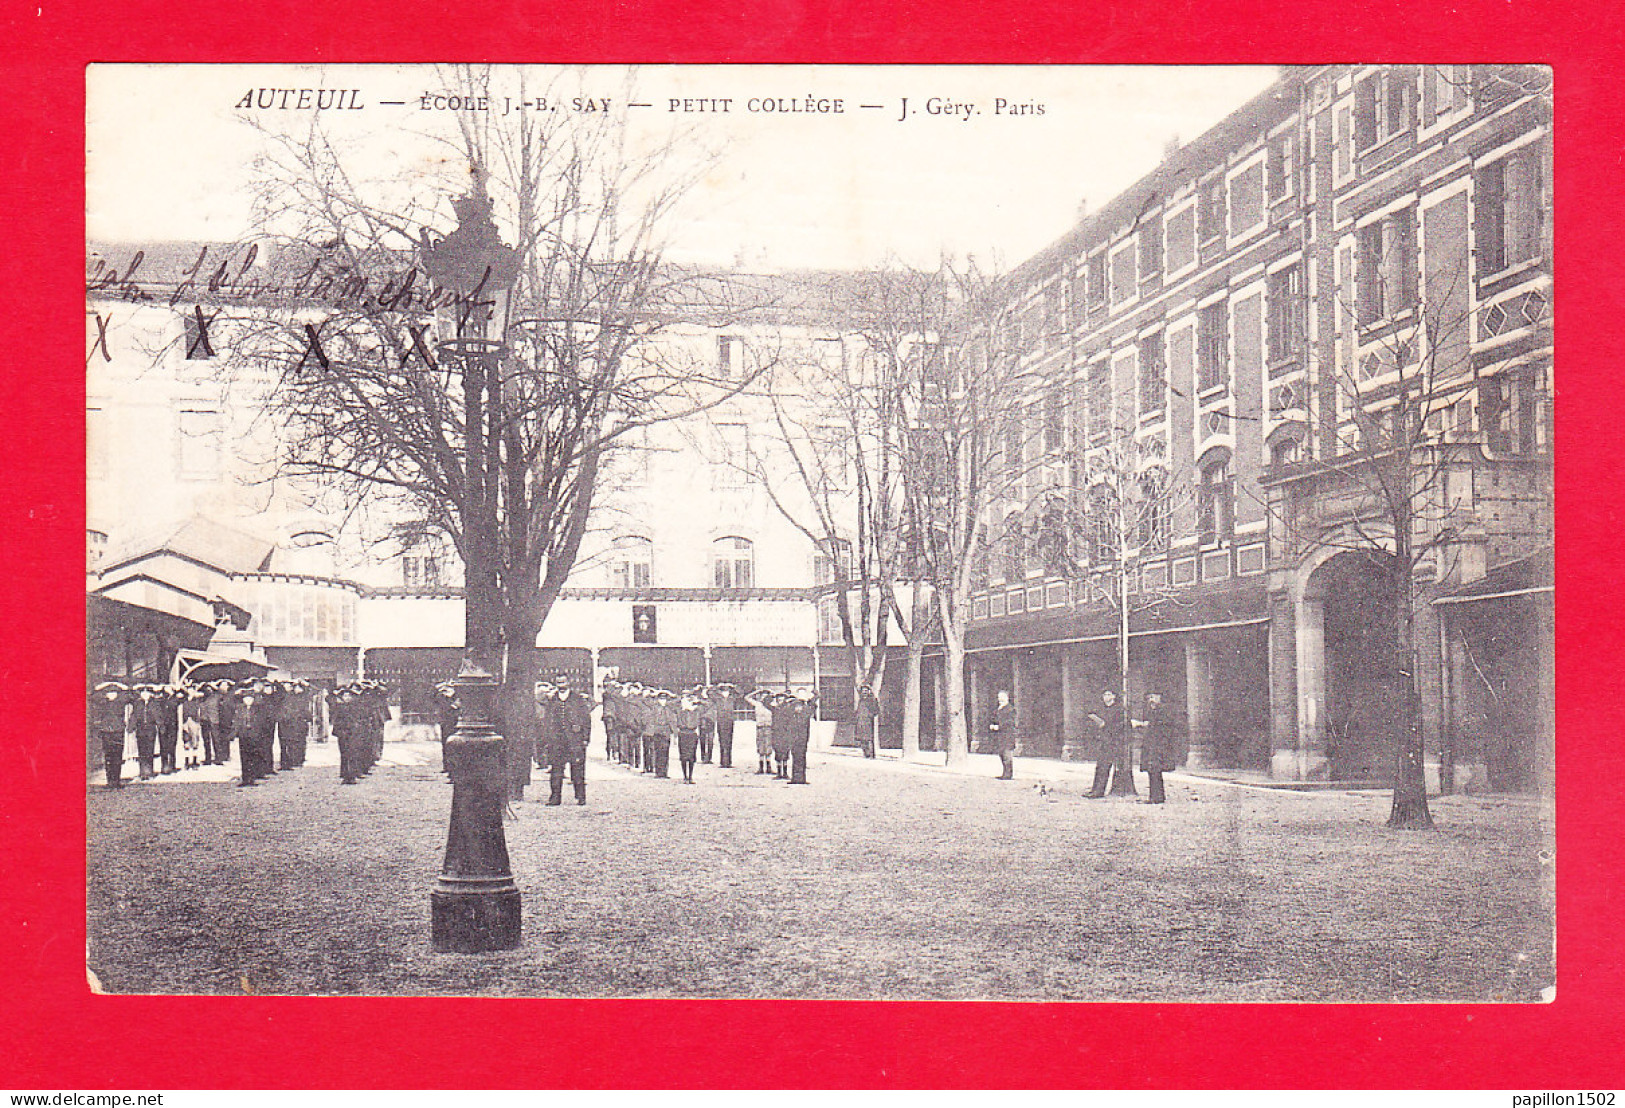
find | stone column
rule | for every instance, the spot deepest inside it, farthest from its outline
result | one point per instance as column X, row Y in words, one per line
column 1307, row 761
column 1199, row 701
column 1073, row 717
column 1283, row 659
column 1019, row 687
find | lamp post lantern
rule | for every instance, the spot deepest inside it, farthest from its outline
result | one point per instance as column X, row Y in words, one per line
column 475, row 905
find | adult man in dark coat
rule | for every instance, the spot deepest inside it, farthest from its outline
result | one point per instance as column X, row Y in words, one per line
column 801, row 707
column 868, row 713
column 343, row 712
column 723, row 699
column 293, row 723
column 108, row 701
column 783, row 729
column 571, row 724
column 168, row 702
column 1001, row 734
column 1109, row 718
column 1158, row 752
column 658, row 727
column 144, row 710
column 226, row 731
column 251, row 709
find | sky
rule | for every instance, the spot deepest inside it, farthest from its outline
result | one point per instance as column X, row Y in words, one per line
column 951, row 160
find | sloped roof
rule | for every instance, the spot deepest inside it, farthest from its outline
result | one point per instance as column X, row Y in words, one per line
column 1533, row 571
column 203, row 540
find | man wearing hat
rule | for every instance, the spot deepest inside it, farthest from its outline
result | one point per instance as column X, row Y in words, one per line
column 108, row 701
column 144, row 710
column 659, row 728
column 168, row 701
column 346, row 724
column 721, row 699
column 293, row 723
column 801, row 707
column 570, row 728
column 686, row 719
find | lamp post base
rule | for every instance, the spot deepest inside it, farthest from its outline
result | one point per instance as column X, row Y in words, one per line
column 474, row 916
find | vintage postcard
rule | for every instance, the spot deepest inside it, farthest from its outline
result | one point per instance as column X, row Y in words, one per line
column 1041, row 533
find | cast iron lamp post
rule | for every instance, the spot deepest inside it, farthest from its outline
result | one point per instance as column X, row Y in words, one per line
column 475, row 904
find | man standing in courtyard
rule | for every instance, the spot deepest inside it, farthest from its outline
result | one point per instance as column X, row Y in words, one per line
column 1001, row 733
column 1109, row 718
column 1157, row 753
column 107, row 702
column 569, row 719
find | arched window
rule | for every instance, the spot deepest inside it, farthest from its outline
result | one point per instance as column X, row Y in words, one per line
column 631, row 562
column 1216, row 500
column 1154, row 510
column 1104, row 524
column 1014, row 547
column 733, row 561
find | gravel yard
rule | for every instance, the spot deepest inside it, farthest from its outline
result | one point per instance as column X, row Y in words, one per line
column 875, row 881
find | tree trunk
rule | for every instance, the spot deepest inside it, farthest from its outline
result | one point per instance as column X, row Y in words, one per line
column 1410, row 808
column 953, row 637
column 911, row 699
column 519, row 702
column 1123, row 759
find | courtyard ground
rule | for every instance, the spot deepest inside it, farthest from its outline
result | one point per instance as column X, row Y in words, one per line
column 877, row 880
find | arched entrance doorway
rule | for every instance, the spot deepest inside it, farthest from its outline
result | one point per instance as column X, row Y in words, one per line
column 1364, row 686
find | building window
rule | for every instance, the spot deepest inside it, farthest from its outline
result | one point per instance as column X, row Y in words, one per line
column 1013, row 547
column 1387, row 267
column 1508, row 211
column 199, row 439
column 1215, row 502
column 1154, row 510
column 1153, row 375
column 1212, row 346
column 1097, row 280
column 1124, row 280
column 1285, row 326
column 95, row 548
column 1247, row 199
column 1055, row 422
column 1099, row 402
column 1280, row 167
column 1445, row 89
column 1054, row 303
column 1181, row 234
column 733, row 562
column 831, row 570
column 1342, row 125
column 1284, row 451
column 1103, row 525
column 1151, row 247
column 1015, row 440
column 1382, row 104
column 631, row 562
column 199, row 344
column 1077, row 301
column 1210, row 210
column 730, row 355
column 420, row 570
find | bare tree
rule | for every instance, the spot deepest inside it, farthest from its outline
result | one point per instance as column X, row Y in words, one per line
column 1401, row 442
column 966, row 452
column 1114, row 515
column 500, row 448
